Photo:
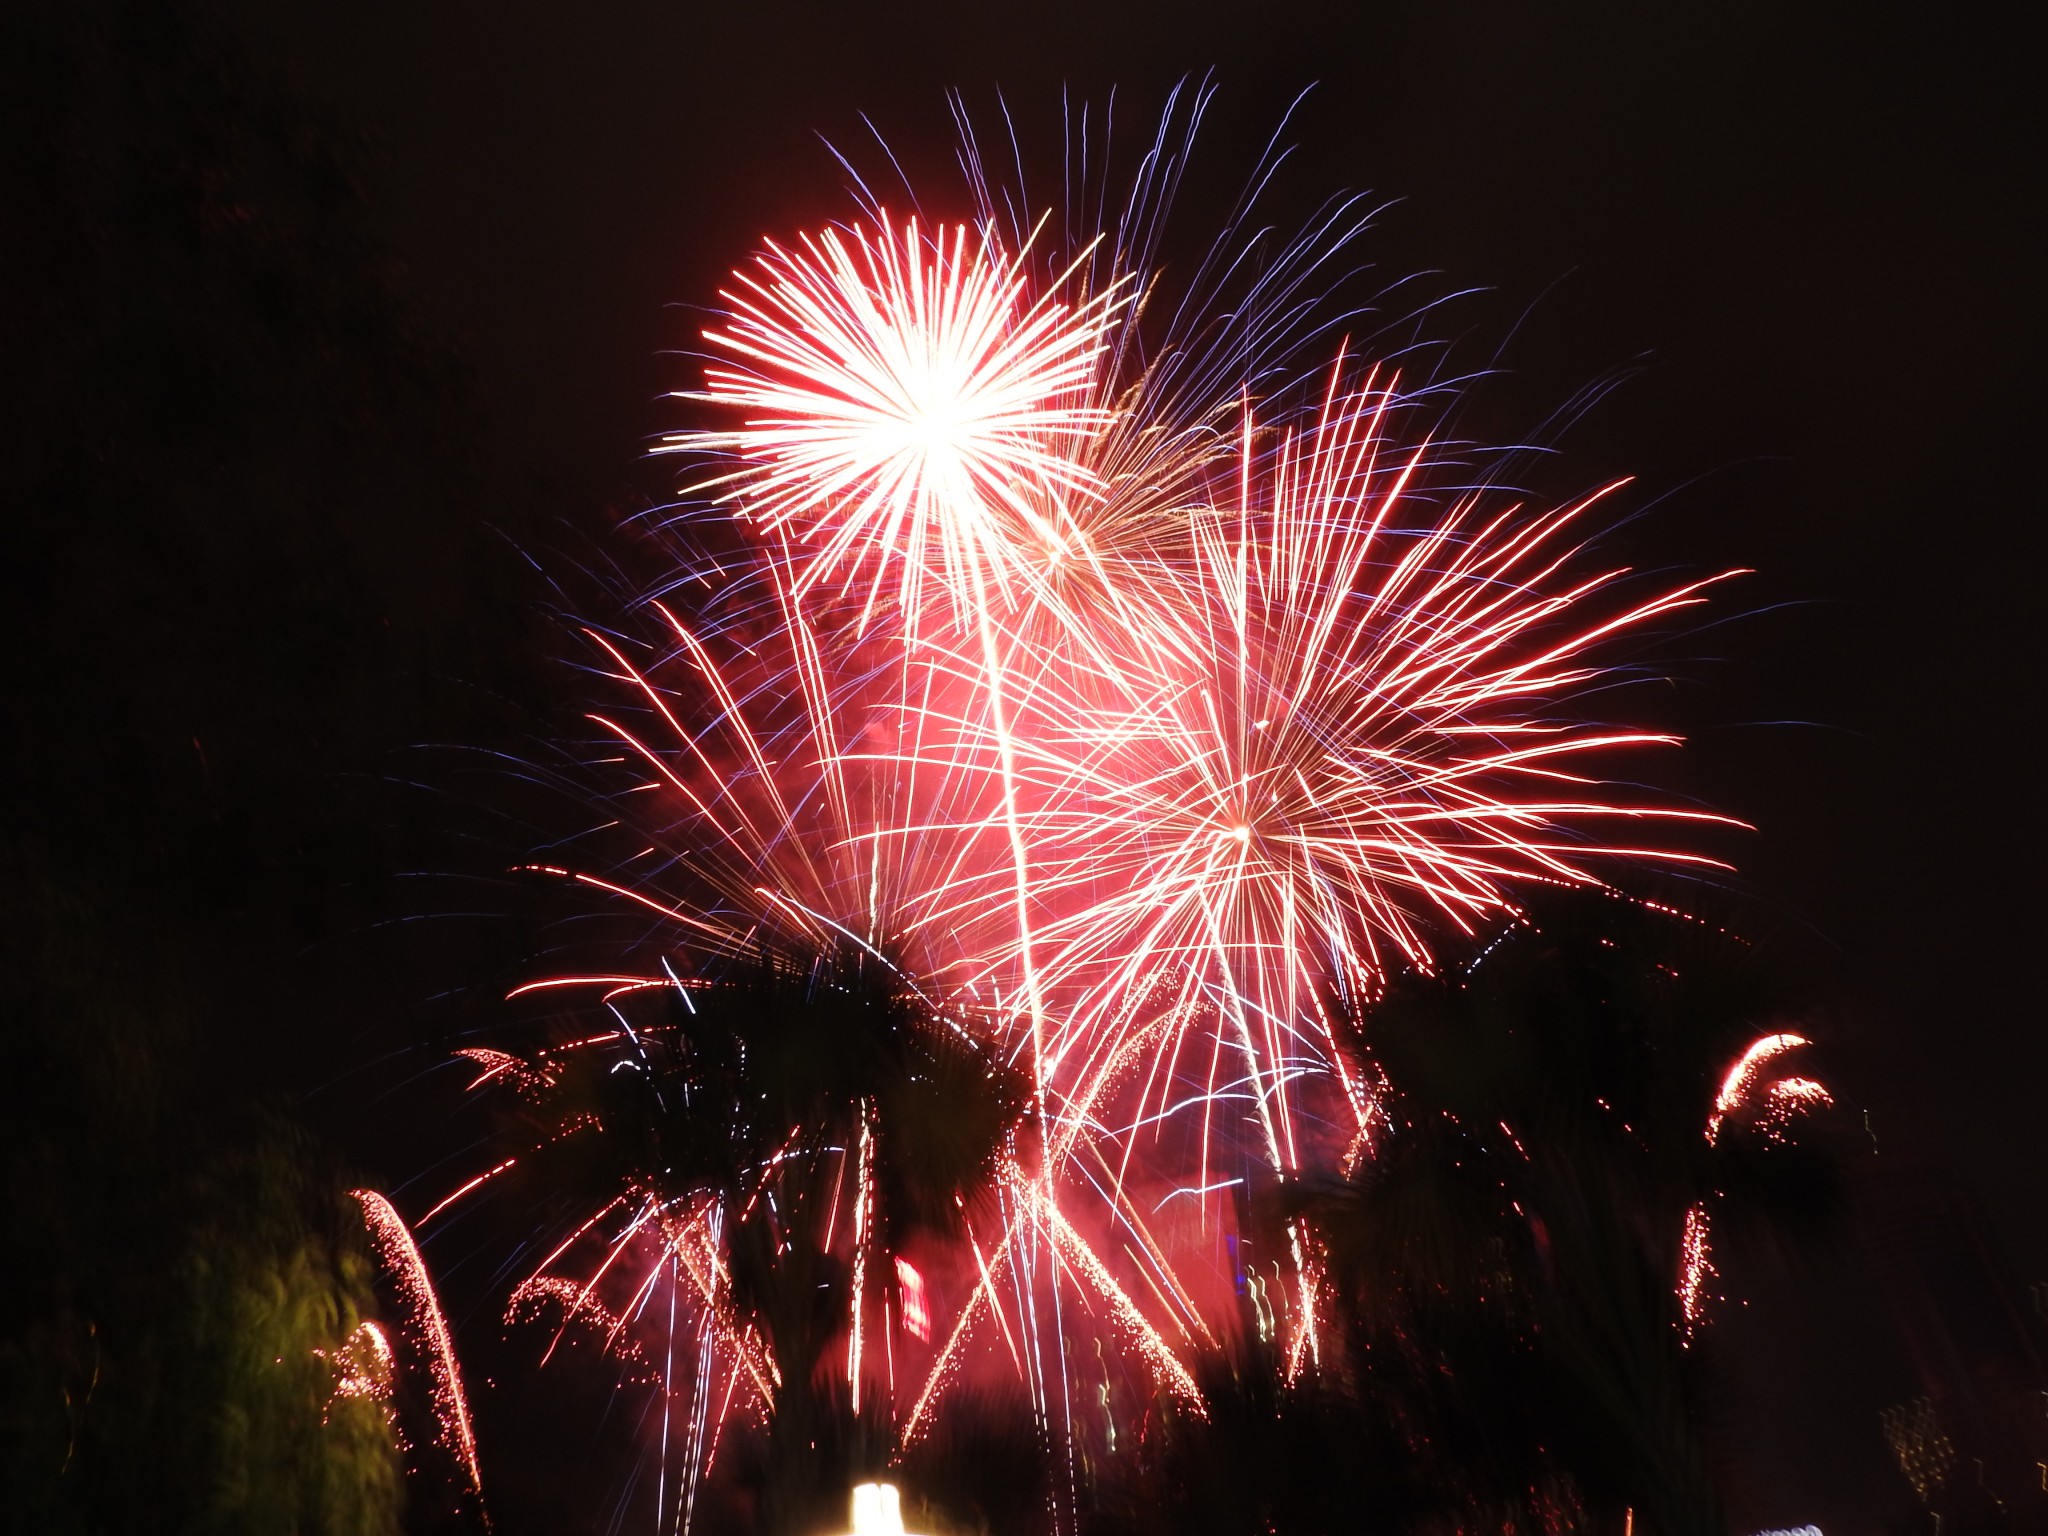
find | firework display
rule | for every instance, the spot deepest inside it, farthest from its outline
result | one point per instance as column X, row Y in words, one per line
column 1114, row 690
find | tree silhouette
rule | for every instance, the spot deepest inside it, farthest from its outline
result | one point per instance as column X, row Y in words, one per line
column 1509, row 1256
column 243, row 545
column 748, row 1105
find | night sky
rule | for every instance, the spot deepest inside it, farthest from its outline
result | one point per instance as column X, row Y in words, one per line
column 1795, row 240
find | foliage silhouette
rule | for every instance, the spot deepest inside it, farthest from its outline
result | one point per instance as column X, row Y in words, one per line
column 1508, row 1257
column 768, row 1080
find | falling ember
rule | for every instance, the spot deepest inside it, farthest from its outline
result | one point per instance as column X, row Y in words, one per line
column 1791, row 1096
column 1695, row 1271
column 401, row 1258
column 1741, row 1078
column 364, row 1365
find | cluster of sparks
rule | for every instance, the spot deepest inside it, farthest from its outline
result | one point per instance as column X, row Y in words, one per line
column 1753, row 1094
column 1140, row 716
column 365, row 1366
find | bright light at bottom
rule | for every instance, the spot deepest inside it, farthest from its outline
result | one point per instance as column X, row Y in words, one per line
column 877, row 1510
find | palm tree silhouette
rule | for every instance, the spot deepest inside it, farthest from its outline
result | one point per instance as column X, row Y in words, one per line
column 798, row 1119
column 1560, row 1118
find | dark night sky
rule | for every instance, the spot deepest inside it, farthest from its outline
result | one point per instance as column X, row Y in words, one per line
column 1802, row 232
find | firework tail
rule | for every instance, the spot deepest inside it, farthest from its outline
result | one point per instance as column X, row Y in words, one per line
column 402, row 1261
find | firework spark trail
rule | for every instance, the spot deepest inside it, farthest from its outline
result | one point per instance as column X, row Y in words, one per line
column 686, row 1252
column 697, row 1461
column 668, row 1375
column 1038, row 1215
column 863, row 1202
column 401, row 1258
column 1076, row 1253
column 702, row 1262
